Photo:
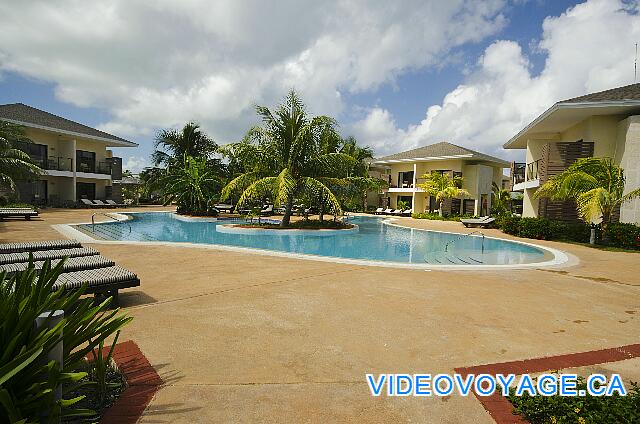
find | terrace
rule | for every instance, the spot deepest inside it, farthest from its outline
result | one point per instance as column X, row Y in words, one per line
column 239, row 337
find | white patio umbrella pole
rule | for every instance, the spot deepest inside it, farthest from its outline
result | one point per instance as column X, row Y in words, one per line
column 51, row 319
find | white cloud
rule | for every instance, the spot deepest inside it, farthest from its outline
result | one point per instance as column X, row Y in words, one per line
column 589, row 48
column 161, row 63
column 135, row 164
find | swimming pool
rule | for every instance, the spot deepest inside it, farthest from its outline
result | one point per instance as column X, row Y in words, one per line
column 374, row 240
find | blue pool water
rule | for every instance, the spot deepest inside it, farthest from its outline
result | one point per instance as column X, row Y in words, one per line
column 373, row 241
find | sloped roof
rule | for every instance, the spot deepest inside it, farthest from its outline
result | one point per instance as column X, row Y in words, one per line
column 32, row 117
column 628, row 92
column 442, row 150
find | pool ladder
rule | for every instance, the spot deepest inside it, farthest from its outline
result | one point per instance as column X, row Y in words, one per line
column 93, row 220
column 446, row 246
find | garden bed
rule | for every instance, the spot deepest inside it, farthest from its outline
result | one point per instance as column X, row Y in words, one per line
column 299, row 225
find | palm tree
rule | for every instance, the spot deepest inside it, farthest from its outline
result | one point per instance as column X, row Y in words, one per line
column 501, row 200
column 596, row 184
column 14, row 163
column 192, row 184
column 440, row 186
column 172, row 145
column 287, row 156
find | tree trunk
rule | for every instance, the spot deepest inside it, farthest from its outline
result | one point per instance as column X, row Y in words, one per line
column 287, row 212
column 321, row 211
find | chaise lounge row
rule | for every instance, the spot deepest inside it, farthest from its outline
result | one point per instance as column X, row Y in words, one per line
column 396, row 212
column 84, row 265
column 25, row 213
column 100, row 204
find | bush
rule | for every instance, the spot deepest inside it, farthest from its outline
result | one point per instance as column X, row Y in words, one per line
column 509, row 224
column 539, row 228
column 27, row 380
column 437, row 217
column 626, row 236
column 579, row 231
column 580, row 409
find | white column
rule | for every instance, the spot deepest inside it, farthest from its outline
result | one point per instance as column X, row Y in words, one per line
column 414, row 188
column 73, row 169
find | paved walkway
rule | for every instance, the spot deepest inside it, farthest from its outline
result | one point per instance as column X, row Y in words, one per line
column 251, row 338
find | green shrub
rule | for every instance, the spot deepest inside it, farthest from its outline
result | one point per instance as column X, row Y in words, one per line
column 509, row 224
column 437, row 217
column 27, row 380
column 579, row 231
column 579, row 409
column 622, row 235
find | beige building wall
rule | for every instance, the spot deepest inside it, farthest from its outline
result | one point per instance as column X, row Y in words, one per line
column 628, row 156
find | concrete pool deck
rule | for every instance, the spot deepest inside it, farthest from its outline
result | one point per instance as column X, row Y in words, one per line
column 249, row 338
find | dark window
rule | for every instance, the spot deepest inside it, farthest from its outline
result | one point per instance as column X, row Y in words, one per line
column 407, row 199
column 85, row 191
column 405, row 179
column 468, row 206
column 33, row 192
column 85, row 161
column 37, row 152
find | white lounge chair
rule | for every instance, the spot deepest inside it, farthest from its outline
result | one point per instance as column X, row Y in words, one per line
column 267, row 210
column 484, row 221
column 379, row 211
column 101, row 204
column 388, row 211
column 407, row 212
column 112, row 203
column 25, row 213
column 397, row 212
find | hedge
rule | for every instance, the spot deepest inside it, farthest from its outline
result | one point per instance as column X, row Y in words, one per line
column 626, row 236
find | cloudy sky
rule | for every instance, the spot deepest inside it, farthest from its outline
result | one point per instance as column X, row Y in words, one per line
column 396, row 75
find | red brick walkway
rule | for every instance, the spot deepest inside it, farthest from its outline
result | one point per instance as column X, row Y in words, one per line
column 143, row 383
column 499, row 406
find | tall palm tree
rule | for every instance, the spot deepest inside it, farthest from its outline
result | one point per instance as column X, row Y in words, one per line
column 172, row 145
column 440, row 186
column 14, row 163
column 596, row 184
column 192, row 184
column 288, row 158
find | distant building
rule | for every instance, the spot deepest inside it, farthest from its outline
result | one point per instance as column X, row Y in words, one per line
column 403, row 172
column 75, row 158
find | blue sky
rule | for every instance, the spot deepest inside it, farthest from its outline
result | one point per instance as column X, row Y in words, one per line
column 422, row 89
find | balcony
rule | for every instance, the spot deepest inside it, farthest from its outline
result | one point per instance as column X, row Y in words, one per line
column 89, row 167
column 518, row 172
column 531, row 178
column 59, row 164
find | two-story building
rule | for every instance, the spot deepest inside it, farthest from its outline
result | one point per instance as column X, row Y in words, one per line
column 603, row 124
column 75, row 158
column 403, row 171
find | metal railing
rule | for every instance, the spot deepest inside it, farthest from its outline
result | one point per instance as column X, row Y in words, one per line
column 519, row 172
column 532, row 170
column 93, row 222
column 59, row 163
column 94, row 168
column 477, row 232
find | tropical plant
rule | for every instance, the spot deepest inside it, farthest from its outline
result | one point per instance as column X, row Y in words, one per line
column 14, row 163
column 287, row 158
column 403, row 205
column 442, row 187
column 501, row 202
column 28, row 382
column 596, row 184
column 192, row 184
column 100, row 367
column 173, row 145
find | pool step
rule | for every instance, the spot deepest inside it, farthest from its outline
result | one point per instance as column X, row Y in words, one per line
column 451, row 259
column 116, row 232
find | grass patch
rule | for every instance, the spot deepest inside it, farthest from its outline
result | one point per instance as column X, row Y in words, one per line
column 580, row 409
column 437, row 217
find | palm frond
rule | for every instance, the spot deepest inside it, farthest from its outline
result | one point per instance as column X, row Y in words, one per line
column 316, row 188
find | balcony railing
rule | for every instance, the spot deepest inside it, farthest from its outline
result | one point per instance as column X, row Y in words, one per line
column 94, row 168
column 518, row 173
column 532, row 170
column 59, row 163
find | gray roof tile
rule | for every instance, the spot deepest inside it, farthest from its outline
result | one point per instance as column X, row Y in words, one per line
column 627, row 92
column 437, row 150
column 30, row 115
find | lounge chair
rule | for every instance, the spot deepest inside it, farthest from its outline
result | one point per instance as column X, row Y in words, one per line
column 113, row 203
column 100, row 282
column 89, row 203
column 379, row 211
column 224, row 207
column 101, row 204
column 388, row 211
column 25, row 213
column 484, row 221
column 77, row 263
column 397, row 212
column 32, row 246
column 42, row 255
column 267, row 210
column 407, row 212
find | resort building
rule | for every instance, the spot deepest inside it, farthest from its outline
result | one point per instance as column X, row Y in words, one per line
column 403, row 171
column 75, row 158
column 603, row 124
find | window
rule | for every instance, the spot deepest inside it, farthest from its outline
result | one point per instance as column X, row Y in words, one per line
column 405, row 179
column 37, row 152
column 85, row 161
column 85, row 191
